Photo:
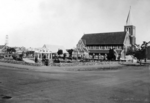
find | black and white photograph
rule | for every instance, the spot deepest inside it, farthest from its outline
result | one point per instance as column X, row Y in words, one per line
column 74, row 51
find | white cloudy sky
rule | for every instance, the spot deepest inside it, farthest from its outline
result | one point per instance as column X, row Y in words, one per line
column 32, row 23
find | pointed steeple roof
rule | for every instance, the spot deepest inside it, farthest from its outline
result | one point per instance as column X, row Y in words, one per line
column 128, row 21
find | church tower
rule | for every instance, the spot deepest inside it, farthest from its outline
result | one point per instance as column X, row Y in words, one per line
column 130, row 29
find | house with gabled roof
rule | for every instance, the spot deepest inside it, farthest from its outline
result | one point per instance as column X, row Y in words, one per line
column 3, row 49
column 54, row 48
column 101, row 43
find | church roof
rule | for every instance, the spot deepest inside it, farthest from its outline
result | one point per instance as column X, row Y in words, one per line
column 104, row 38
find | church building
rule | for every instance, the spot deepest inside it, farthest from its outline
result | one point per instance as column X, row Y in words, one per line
column 100, row 43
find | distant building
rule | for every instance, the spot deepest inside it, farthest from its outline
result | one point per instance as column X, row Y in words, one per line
column 3, row 49
column 46, row 50
column 20, row 50
column 54, row 48
column 100, row 43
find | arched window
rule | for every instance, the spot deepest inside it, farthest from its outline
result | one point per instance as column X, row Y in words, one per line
column 129, row 30
column 106, row 47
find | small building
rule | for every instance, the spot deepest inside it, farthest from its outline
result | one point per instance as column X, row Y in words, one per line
column 20, row 50
column 47, row 50
column 39, row 53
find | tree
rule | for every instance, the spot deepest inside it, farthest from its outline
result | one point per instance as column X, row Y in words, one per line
column 111, row 55
column 20, row 57
column 139, row 54
column 14, row 56
column 130, row 51
column 64, row 56
column 144, row 47
column 11, row 50
column 70, row 51
column 60, row 52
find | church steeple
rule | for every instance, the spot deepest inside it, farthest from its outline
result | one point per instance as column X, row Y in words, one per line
column 129, row 28
column 128, row 21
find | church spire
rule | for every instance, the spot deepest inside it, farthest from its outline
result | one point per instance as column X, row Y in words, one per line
column 128, row 21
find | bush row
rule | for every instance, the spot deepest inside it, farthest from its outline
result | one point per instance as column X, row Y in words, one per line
column 8, row 60
column 82, row 63
column 19, row 62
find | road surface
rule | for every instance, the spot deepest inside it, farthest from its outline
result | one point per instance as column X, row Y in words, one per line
column 130, row 84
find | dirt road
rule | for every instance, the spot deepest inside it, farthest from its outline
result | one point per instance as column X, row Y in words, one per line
column 129, row 84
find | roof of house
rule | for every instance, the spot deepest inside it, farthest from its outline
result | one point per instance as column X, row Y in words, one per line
column 54, row 48
column 2, row 46
column 104, row 38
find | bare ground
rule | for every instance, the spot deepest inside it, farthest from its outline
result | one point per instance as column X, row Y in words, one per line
column 130, row 84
